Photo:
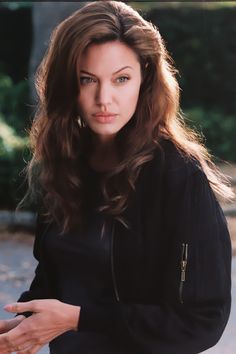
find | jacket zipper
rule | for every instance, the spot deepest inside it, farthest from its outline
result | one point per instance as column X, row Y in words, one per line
column 112, row 264
column 183, row 266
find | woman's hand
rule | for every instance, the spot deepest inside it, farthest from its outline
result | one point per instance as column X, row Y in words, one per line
column 7, row 325
column 50, row 318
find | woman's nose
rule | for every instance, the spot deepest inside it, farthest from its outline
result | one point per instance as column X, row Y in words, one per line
column 104, row 95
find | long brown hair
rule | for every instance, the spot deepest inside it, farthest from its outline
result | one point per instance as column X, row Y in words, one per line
column 60, row 143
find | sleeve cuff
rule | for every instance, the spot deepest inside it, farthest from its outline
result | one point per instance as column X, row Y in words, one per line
column 98, row 318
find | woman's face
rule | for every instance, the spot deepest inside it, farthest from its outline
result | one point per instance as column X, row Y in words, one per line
column 109, row 77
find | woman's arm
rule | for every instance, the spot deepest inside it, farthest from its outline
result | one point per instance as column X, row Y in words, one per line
column 41, row 287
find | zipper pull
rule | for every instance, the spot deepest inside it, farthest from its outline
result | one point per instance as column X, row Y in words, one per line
column 184, row 261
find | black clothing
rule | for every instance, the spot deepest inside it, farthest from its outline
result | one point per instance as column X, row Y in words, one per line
column 81, row 264
column 170, row 272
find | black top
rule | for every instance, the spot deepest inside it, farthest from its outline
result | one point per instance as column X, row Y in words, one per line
column 158, row 306
column 83, row 273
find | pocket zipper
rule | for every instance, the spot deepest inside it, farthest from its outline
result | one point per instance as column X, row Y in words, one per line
column 183, row 266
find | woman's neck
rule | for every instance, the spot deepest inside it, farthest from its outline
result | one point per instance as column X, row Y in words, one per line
column 104, row 155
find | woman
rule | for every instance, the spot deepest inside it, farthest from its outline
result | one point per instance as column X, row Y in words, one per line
column 133, row 249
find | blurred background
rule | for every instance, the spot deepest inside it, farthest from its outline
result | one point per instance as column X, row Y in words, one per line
column 200, row 36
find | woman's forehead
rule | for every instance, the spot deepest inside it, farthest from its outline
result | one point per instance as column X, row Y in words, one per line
column 111, row 56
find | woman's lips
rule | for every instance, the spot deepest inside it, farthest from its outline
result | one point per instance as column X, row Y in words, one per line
column 105, row 118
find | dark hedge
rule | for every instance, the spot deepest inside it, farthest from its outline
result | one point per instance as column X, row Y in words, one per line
column 202, row 43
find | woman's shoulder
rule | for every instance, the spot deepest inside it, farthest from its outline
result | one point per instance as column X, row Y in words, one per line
column 175, row 161
column 178, row 173
column 172, row 169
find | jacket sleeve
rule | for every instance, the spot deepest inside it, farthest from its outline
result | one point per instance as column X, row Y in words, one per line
column 196, row 323
column 40, row 287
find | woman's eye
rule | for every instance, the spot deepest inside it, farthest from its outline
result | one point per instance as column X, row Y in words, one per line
column 122, row 79
column 86, row 80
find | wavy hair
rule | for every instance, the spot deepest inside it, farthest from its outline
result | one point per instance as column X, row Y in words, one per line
column 60, row 144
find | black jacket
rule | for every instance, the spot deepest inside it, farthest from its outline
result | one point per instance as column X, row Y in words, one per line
column 171, row 270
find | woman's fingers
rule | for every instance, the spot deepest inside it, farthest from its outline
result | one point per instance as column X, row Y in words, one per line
column 7, row 325
column 19, row 307
column 14, row 322
column 23, row 348
column 32, row 350
column 3, row 326
column 5, row 344
column 50, row 319
column 12, row 339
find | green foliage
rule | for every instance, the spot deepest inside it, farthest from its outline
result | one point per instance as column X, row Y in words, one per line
column 202, row 44
column 13, row 150
column 13, row 103
column 9, row 141
column 14, row 115
column 15, row 5
column 201, row 41
column 218, row 129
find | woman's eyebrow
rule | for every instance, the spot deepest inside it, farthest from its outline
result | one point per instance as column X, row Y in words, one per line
column 125, row 67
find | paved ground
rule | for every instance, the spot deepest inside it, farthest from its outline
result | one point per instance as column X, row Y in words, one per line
column 16, row 271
